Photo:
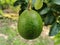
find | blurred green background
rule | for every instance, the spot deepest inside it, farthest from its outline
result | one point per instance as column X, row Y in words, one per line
column 8, row 27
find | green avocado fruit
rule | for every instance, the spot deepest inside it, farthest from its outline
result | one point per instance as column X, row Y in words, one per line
column 38, row 4
column 30, row 24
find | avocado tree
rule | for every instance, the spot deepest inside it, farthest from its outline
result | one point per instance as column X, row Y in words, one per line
column 48, row 10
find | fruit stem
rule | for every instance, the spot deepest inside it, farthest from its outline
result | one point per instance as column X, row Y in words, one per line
column 29, row 4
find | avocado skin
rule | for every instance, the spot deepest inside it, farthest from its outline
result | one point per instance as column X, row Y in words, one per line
column 30, row 24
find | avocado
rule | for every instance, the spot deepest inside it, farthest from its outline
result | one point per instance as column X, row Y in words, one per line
column 30, row 24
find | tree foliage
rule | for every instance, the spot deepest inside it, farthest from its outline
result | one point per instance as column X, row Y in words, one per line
column 49, row 12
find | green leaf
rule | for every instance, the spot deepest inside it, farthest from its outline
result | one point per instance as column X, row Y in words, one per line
column 1, row 12
column 44, row 11
column 54, row 29
column 49, row 19
column 57, row 39
column 19, row 2
column 11, row 2
column 58, row 20
column 38, row 4
column 56, row 2
column 56, row 8
column 7, row 1
column 2, row 2
column 16, row 3
column 46, row 1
